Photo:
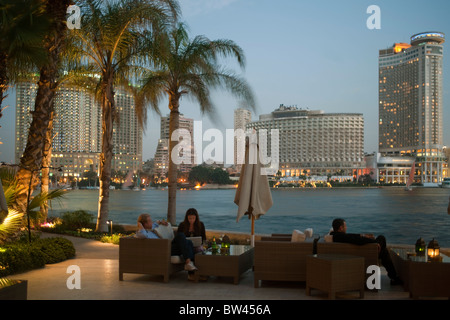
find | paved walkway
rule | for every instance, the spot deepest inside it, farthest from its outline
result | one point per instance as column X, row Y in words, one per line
column 99, row 278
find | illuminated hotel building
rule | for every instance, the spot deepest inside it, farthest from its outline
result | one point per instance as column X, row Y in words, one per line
column 315, row 143
column 77, row 130
column 162, row 150
column 410, row 109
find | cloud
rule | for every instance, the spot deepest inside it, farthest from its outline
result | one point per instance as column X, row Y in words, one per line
column 192, row 8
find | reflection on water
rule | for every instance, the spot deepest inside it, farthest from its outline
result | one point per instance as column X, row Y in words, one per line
column 402, row 216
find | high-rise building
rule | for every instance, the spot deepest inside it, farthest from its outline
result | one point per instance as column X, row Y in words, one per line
column 187, row 160
column 77, row 130
column 315, row 143
column 411, row 105
column 241, row 118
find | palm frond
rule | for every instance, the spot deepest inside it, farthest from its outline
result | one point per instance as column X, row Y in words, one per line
column 46, row 198
column 11, row 223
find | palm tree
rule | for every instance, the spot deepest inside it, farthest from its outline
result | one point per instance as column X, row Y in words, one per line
column 12, row 220
column 23, row 25
column 109, row 41
column 53, row 44
column 189, row 67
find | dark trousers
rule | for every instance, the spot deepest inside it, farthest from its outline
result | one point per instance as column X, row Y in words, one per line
column 182, row 246
column 385, row 257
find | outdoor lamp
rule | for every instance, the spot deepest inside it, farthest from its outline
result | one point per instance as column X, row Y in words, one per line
column 420, row 247
column 433, row 250
column 110, row 225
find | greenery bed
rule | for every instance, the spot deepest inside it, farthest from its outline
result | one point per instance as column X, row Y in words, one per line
column 23, row 255
column 80, row 223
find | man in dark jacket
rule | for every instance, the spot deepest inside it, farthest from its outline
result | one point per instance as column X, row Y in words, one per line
column 340, row 234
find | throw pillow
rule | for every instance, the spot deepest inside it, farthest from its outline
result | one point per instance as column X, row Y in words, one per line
column 309, row 232
column 298, row 236
column 164, row 232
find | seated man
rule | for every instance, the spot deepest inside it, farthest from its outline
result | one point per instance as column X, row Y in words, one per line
column 340, row 234
column 180, row 245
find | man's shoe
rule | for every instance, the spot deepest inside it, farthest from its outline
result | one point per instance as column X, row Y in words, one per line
column 190, row 266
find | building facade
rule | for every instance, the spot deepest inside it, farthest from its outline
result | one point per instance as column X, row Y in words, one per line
column 316, row 143
column 77, row 130
column 411, row 105
column 162, row 150
column 241, row 118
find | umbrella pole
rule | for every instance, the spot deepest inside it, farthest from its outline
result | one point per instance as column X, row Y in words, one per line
column 253, row 231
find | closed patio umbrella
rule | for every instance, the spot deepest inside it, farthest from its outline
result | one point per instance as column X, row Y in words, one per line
column 253, row 195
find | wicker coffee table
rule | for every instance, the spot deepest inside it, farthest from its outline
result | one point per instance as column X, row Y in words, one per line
column 420, row 277
column 335, row 273
column 233, row 263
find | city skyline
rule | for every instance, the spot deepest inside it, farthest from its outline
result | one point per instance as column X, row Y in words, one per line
column 317, row 55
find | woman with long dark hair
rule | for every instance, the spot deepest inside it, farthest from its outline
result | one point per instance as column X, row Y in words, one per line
column 192, row 226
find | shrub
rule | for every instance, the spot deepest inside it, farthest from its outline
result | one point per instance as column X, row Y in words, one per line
column 74, row 220
column 22, row 256
column 66, row 245
column 114, row 239
column 55, row 249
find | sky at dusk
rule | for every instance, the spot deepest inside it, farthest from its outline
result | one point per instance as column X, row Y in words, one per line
column 311, row 54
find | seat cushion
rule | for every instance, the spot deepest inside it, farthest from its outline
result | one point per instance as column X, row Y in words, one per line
column 298, row 236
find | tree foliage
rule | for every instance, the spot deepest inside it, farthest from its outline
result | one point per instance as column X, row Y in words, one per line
column 206, row 174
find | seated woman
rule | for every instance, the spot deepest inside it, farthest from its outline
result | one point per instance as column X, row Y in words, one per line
column 180, row 245
column 192, row 226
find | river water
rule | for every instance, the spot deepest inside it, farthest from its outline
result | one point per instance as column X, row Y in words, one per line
column 402, row 216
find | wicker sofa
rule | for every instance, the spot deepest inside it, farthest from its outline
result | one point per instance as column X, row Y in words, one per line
column 276, row 258
column 368, row 251
column 147, row 256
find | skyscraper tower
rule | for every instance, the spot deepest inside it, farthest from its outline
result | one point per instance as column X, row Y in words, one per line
column 77, row 129
column 162, row 149
column 241, row 118
column 410, row 103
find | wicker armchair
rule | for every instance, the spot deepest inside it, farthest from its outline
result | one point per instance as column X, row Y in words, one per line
column 280, row 260
column 146, row 256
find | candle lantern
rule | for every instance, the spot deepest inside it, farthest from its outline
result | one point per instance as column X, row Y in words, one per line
column 225, row 242
column 420, row 247
column 225, row 247
column 433, row 250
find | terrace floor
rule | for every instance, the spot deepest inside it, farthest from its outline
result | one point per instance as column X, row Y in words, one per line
column 98, row 263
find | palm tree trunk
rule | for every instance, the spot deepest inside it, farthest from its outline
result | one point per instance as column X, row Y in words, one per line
column 3, row 79
column 31, row 160
column 46, row 162
column 108, row 109
column 174, row 120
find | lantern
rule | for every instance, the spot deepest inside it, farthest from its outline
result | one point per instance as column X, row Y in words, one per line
column 225, row 242
column 433, row 250
column 225, row 247
column 420, row 247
